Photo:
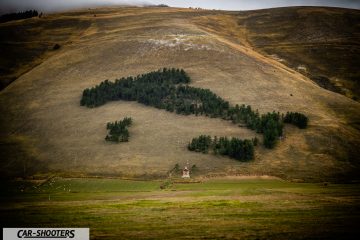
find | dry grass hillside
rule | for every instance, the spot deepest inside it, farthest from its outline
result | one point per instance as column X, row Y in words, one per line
column 45, row 130
column 321, row 43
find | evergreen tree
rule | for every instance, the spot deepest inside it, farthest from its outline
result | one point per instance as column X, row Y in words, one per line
column 242, row 150
column 118, row 131
column 270, row 134
column 166, row 89
column 19, row 15
column 298, row 119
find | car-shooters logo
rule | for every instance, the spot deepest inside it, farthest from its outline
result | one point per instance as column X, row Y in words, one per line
column 46, row 233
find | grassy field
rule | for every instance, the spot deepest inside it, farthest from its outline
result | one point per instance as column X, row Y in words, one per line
column 228, row 208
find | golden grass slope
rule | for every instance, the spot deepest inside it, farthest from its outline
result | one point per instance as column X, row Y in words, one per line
column 58, row 135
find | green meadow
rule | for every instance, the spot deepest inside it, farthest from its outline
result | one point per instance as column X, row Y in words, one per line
column 209, row 209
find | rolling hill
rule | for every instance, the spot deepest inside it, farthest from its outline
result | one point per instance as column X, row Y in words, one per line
column 321, row 43
column 45, row 131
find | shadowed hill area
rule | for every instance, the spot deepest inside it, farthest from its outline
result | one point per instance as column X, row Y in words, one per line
column 321, row 43
column 26, row 43
column 44, row 130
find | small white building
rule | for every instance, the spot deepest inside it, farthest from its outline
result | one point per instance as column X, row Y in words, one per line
column 186, row 172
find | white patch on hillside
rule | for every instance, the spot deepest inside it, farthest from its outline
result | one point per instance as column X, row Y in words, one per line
column 277, row 58
column 301, row 68
column 182, row 42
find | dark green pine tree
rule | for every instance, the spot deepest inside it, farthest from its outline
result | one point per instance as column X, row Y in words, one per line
column 270, row 134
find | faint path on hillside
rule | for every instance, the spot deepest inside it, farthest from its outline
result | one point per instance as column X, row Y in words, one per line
column 247, row 50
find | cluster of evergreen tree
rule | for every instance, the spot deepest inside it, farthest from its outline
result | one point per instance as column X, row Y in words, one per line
column 200, row 144
column 269, row 124
column 242, row 150
column 149, row 89
column 298, row 119
column 118, row 130
column 165, row 89
column 272, row 128
column 19, row 15
column 162, row 89
column 190, row 100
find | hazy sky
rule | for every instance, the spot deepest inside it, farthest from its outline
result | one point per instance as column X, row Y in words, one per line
column 58, row 5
